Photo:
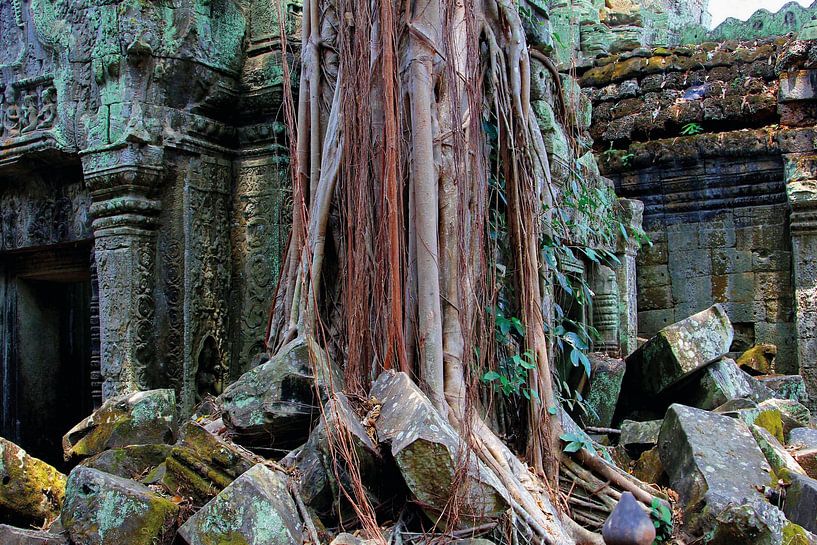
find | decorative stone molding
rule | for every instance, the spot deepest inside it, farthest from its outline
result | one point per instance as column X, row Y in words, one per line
column 123, row 182
column 626, row 251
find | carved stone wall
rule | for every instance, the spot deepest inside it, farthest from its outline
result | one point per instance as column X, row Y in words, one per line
column 157, row 125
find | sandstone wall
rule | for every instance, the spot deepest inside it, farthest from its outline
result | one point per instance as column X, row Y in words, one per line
column 701, row 136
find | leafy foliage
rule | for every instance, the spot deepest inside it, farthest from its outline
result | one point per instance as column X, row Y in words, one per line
column 662, row 520
column 691, row 129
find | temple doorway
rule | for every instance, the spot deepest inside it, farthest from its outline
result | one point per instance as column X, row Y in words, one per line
column 49, row 365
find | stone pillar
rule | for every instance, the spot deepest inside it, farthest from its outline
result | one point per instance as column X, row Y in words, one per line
column 633, row 213
column 801, row 188
column 123, row 181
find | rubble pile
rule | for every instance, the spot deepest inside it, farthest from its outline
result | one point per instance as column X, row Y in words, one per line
column 285, row 457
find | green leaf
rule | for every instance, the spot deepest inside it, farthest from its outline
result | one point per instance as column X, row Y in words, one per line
column 490, row 376
column 573, row 447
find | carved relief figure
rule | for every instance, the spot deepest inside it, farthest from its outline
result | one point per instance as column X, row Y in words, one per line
column 48, row 108
column 11, row 116
column 30, row 113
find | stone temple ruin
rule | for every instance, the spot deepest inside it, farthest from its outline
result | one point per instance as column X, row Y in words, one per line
column 145, row 198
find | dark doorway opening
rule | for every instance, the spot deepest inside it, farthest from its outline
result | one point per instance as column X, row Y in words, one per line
column 48, row 345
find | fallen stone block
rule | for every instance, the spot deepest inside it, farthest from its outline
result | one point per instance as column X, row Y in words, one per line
column 778, row 457
column 275, row 404
column 758, row 523
column 32, row 491
column 428, row 453
column 786, row 387
column 759, row 359
column 800, row 506
column 718, row 383
column 131, row 462
column 605, row 387
column 679, row 350
column 255, row 509
column 131, row 419
column 803, row 437
column 324, row 473
column 793, row 414
column 637, row 437
column 103, row 509
column 768, row 419
column 708, row 476
column 202, row 464
column 9, row 535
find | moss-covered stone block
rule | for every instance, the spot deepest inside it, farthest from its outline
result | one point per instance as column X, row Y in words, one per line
column 31, row 491
column 131, row 419
column 202, row 464
column 256, row 509
column 131, row 462
column 103, row 509
column 9, row 535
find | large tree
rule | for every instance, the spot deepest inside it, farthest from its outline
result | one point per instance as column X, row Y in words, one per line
column 389, row 264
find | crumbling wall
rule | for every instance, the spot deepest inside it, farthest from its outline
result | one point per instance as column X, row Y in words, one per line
column 707, row 139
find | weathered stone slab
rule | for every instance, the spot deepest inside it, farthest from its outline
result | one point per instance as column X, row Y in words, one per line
column 718, row 383
column 276, row 403
column 637, row 436
column 707, row 475
column 605, row 387
column 429, row 452
column 9, row 535
column 131, row 462
column 801, row 502
column 202, row 464
column 132, row 419
column 679, row 350
column 786, row 387
column 103, row 509
column 807, row 458
column 32, row 491
column 648, row 468
column 758, row 523
column 776, row 454
column 803, row 437
column 255, row 509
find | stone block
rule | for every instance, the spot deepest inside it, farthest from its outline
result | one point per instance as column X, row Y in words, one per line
column 130, row 419
column 428, row 452
column 275, row 403
column 102, row 509
column 679, row 350
column 651, row 322
column 771, row 260
column 201, row 464
column 807, row 458
column 708, row 477
column 655, row 255
column 255, row 509
column 718, row 383
column 798, row 85
column 772, row 285
column 736, row 288
column 786, row 387
column 803, row 437
column 685, row 264
column 639, row 436
column 32, row 491
column 691, row 294
column 648, row 468
column 776, row 454
column 605, row 387
column 800, row 506
column 731, row 261
column 131, row 462
column 723, row 237
column 653, row 275
column 654, row 297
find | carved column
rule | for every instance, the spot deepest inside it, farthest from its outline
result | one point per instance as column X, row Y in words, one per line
column 605, row 309
column 123, row 181
column 801, row 188
column 633, row 213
